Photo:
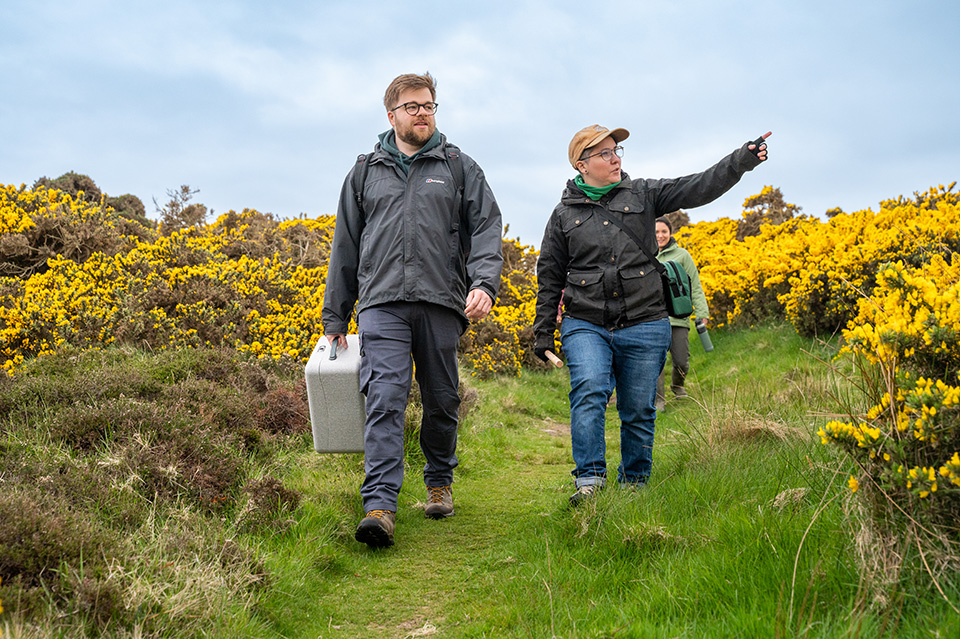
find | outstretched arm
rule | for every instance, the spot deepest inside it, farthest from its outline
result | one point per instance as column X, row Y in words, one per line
column 702, row 188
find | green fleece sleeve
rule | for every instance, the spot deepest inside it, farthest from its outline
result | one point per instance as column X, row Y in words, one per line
column 700, row 309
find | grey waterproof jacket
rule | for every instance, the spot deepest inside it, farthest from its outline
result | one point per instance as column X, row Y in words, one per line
column 405, row 246
column 601, row 274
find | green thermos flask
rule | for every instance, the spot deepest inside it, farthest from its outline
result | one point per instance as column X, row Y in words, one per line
column 704, row 336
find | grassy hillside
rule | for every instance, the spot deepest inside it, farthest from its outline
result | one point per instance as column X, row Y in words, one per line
column 177, row 495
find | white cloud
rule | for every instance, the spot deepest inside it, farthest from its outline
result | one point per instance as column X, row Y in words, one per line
column 266, row 105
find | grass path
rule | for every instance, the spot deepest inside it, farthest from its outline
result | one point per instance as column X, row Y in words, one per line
column 440, row 575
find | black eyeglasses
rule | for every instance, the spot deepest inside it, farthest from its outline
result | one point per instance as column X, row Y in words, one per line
column 413, row 108
column 607, row 154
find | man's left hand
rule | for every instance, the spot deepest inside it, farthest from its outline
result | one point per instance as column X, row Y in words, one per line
column 478, row 304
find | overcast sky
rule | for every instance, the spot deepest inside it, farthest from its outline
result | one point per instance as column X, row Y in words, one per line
column 266, row 105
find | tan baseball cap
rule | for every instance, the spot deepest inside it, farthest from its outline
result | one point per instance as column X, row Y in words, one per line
column 591, row 136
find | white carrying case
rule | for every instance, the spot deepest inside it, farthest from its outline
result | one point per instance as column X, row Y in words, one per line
column 337, row 407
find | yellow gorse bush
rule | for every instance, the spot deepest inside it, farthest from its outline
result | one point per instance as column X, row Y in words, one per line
column 502, row 343
column 908, row 443
column 252, row 283
column 246, row 281
column 889, row 281
column 15, row 205
column 811, row 272
column 180, row 290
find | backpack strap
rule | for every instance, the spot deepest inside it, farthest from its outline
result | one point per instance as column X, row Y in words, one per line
column 452, row 155
column 636, row 238
column 456, row 167
column 455, row 161
column 358, row 180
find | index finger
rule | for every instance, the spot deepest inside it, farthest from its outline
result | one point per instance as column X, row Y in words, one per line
column 767, row 135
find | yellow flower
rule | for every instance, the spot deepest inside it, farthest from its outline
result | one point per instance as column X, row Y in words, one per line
column 853, row 484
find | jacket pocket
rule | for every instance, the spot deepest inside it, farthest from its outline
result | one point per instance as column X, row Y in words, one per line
column 575, row 218
column 642, row 291
column 583, row 297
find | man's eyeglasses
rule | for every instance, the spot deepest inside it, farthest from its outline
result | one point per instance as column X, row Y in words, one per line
column 607, row 154
column 413, row 108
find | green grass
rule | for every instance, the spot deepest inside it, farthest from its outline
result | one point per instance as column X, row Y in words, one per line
column 741, row 532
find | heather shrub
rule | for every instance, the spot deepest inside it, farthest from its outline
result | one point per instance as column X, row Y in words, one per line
column 40, row 534
column 99, row 447
column 267, row 500
column 85, row 427
column 283, row 410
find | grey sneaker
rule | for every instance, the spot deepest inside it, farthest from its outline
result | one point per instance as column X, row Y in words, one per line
column 680, row 392
column 376, row 529
column 584, row 493
column 661, row 403
column 439, row 502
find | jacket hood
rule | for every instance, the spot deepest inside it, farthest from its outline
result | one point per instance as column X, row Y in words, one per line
column 388, row 145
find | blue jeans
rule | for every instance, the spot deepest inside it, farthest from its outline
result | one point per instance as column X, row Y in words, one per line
column 633, row 357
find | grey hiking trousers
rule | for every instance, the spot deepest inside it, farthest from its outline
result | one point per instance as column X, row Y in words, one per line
column 389, row 335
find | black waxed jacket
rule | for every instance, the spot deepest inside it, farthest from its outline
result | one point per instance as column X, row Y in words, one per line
column 601, row 274
column 406, row 245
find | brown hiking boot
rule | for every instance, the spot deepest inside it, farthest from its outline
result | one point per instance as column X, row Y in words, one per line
column 439, row 502
column 376, row 529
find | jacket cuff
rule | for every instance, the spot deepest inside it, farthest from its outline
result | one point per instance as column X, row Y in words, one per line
column 334, row 329
column 746, row 160
column 544, row 341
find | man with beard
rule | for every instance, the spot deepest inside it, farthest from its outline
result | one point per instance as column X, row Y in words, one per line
column 417, row 247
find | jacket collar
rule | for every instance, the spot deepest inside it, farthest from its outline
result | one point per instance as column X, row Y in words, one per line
column 670, row 245
column 573, row 195
column 380, row 153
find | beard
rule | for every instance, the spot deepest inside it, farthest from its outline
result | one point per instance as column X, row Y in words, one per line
column 414, row 137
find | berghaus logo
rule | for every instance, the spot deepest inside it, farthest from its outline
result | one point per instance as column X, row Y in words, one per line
column 433, row 181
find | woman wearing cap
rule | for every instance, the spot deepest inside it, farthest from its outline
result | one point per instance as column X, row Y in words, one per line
column 615, row 322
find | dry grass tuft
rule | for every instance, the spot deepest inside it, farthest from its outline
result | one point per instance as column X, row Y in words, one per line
column 649, row 537
column 740, row 428
column 791, row 498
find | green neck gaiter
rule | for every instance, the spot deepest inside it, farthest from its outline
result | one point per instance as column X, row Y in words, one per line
column 593, row 192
